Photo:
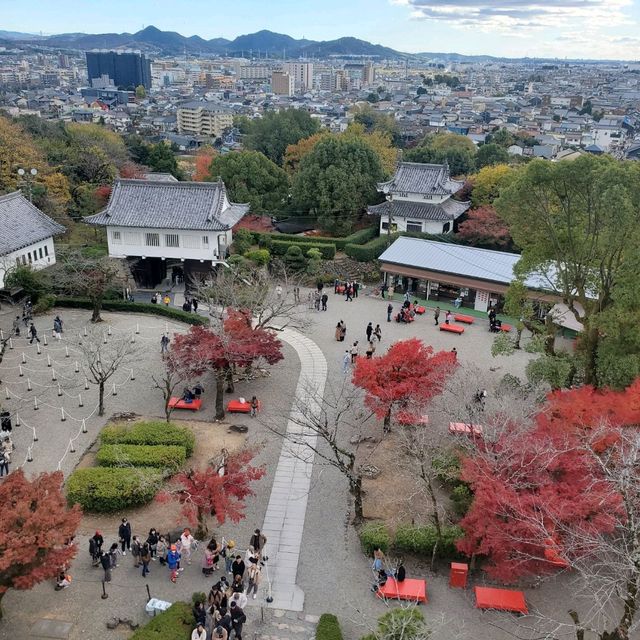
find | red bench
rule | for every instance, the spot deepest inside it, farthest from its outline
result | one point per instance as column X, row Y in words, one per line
column 461, row 428
column 505, row 327
column 459, row 317
column 235, row 406
column 179, row 403
column 409, row 589
column 420, row 310
column 452, row 328
column 500, row 599
column 406, row 418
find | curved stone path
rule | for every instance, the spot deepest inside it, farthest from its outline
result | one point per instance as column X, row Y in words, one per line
column 284, row 519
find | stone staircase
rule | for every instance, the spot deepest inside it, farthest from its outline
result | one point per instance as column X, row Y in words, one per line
column 277, row 624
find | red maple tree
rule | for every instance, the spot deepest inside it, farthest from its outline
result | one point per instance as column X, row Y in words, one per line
column 203, row 163
column 484, row 228
column 403, row 380
column 36, row 532
column 219, row 490
column 131, row 170
column 235, row 343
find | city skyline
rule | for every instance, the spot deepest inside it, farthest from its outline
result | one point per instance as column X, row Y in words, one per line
column 513, row 28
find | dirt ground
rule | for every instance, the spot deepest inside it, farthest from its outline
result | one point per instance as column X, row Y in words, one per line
column 211, row 438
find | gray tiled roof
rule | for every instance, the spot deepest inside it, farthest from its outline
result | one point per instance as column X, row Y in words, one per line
column 23, row 224
column 447, row 210
column 470, row 262
column 205, row 106
column 201, row 206
column 418, row 177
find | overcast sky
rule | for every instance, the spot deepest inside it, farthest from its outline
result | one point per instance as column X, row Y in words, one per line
column 564, row 28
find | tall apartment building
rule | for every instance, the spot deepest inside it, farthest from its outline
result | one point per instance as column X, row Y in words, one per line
column 204, row 118
column 253, row 72
column 360, row 75
column 282, row 84
column 127, row 70
column 302, row 73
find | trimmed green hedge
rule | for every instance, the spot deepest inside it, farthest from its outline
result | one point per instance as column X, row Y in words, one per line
column 374, row 535
column 357, row 237
column 107, row 489
column 149, row 433
column 328, row 628
column 170, row 457
column 279, row 248
column 421, row 540
column 373, row 249
column 176, row 623
column 134, row 307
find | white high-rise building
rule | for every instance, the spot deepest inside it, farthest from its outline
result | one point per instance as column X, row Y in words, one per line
column 302, row 73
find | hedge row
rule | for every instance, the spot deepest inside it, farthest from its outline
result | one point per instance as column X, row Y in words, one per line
column 149, row 433
column 373, row 249
column 176, row 623
column 279, row 248
column 418, row 539
column 135, row 307
column 357, row 237
column 169, row 457
column 328, row 628
column 107, row 489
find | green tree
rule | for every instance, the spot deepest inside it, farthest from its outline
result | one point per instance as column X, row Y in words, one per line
column 251, row 177
column 294, row 259
column 490, row 154
column 275, row 131
column 461, row 161
column 502, row 138
column 373, row 120
column 577, row 223
column 336, row 180
column 141, row 92
column 446, row 141
column 162, row 159
column 488, row 182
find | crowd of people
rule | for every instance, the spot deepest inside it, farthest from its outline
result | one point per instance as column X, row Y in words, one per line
column 241, row 573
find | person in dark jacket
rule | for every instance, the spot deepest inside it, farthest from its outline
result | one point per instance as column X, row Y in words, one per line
column 200, row 613
column 105, row 561
column 238, row 618
column 124, row 533
column 238, row 567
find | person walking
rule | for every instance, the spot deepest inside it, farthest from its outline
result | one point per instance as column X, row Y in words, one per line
column 105, row 561
column 407, row 297
column 161, row 550
column 255, row 405
column 389, row 312
column 166, row 300
column 5, row 456
column 324, row 300
column 255, row 576
column 377, row 332
column 152, row 541
column 447, row 317
column 371, row 349
column 356, row 287
column 369, row 331
column 136, row 551
column 113, row 555
column 348, row 292
column 354, row 352
column 145, row 557
column 96, row 548
column 57, row 328
column 227, row 553
column 16, row 326
column 33, row 332
column 346, row 361
column 316, row 302
column 164, row 343
column 238, row 618
column 436, row 315
column 194, row 303
column 383, row 290
column 124, row 533
column 173, row 561
column 188, row 543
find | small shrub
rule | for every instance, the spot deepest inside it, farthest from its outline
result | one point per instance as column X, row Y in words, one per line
column 198, row 596
column 170, row 457
column 134, row 307
column 461, row 498
column 107, row 489
column 447, row 467
column 294, row 258
column 45, row 303
column 149, row 433
column 357, row 237
column 259, row 256
column 374, row 535
column 400, row 624
column 281, row 247
column 176, row 623
column 328, row 628
column 371, row 250
column 242, row 241
column 420, row 539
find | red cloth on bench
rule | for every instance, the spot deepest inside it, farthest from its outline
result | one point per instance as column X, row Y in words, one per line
column 465, row 429
column 501, row 599
column 452, row 328
column 459, row 317
column 235, row 406
column 409, row 589
column 420, row 310
column 505, row 327
column 179, row 403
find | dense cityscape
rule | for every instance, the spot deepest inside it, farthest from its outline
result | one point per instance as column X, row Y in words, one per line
column 316, row 339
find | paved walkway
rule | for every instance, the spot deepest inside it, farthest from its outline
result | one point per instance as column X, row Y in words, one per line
column 284, row 520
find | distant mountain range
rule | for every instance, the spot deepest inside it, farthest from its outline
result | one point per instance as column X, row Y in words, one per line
column 154, row 41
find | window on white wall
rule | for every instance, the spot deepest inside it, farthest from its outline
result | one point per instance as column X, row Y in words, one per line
column 414, row 226
column 205, row 242
column 46, row 250
column 116, row 237
column 130, row 237
column 40, row 253
column 171, row 240
column 152, row 239
column 190, row 242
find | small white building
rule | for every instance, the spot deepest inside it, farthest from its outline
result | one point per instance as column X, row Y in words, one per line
column 26, row 235
column 158, row 224
column 419, row 199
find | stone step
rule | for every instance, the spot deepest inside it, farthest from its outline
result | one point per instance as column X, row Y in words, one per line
column 287, row 625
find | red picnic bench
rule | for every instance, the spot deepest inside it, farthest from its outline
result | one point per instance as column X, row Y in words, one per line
column 505, row 327
column 179, row 403
column 452, row 328
column 406, row 418
column 500, row 599
column 235, row 406
column 409, row 589
column 420, row 310
column 460, row 317
column 461, row 428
